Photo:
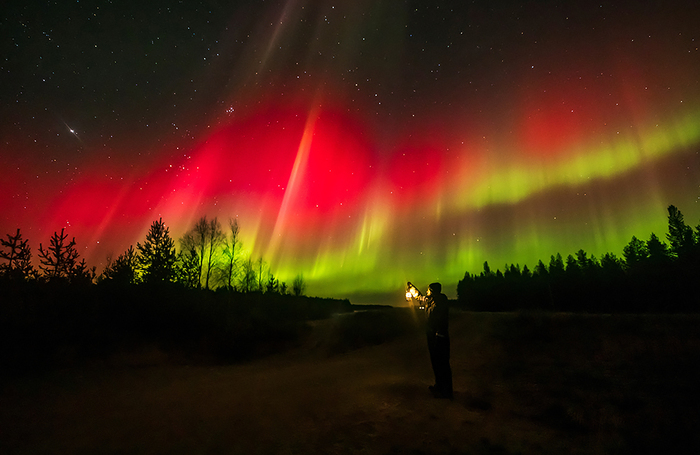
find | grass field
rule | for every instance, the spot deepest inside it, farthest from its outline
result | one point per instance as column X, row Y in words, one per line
column 524, row 383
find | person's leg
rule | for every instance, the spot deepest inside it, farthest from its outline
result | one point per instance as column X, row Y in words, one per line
column 443, row 372
column 434, row 358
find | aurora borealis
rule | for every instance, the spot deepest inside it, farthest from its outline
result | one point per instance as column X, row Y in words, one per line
column 364, row 143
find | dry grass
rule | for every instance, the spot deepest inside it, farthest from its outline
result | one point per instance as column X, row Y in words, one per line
column 525, row 383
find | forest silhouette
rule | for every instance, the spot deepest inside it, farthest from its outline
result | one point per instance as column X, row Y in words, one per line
column 209, row 300
column 652, row 276
column 205, row 300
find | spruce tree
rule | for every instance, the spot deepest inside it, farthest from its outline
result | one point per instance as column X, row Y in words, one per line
column 157, row 257
column 680, row 235
column 18, row 255
column 635, row 252
column 60, row 258
column 122, row 270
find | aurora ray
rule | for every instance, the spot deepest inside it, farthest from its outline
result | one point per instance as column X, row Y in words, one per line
column 364, row 144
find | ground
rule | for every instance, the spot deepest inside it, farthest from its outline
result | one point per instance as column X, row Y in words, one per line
column 524, row 383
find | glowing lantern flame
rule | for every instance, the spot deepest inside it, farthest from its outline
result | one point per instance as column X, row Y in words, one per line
column 411, row 291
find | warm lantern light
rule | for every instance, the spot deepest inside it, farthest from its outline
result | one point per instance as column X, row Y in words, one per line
column 412, row 292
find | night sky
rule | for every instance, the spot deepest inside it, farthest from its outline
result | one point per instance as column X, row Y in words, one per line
column 361, row 143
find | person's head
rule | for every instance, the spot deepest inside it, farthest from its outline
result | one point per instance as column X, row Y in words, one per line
column 434, row 288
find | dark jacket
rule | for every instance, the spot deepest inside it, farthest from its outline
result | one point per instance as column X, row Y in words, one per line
column 437, row 310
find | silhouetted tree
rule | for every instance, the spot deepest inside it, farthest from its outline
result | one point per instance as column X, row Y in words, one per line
column 298, row 285
column 248, row 276
column 556, row 266
column 214, row 239
column 512, row 272
column 60, row 259
column 203, row 242
column 487, row 269
column 611, row 264
column 123, row 269
column 586, row 265
column 18, row 255
column 196, row 244
column 260, row 273
column 81, row 274
column 463, row 287
column 680, row 235
column 635, row 253
column 272, row 284
column 188, row 266
column 284, row 290
column 541, row 269
column 157, row 257
column 658, row 251
column 651, row 277
column 231, row 252
column 572, row 267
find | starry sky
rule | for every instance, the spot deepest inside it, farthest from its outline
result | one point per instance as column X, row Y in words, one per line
column 361, row 143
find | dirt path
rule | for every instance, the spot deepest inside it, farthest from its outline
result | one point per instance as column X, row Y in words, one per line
column 372, row 400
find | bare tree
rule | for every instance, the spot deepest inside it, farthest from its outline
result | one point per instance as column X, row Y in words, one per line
column 214, row 239
column 231, row 251
column 203, row 241
column 189, row 265
column 248, row 277
column 199, row 236
column 261, row 269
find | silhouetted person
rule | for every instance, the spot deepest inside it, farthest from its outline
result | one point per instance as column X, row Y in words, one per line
column 436, row 330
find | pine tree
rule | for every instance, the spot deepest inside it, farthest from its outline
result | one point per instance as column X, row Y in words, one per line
column 611, row 265
column 59, row 260
column 658, row 250
column 18, row 256
column 680, row 235
column 157, row 257
column 635, row 252
column 556, row 266
column 572, row 267
column 298, row 285
column 541, row 269
column 187, row 270
column 81, row 274
column 272, row 284
column 123, row 269
column 464, row 287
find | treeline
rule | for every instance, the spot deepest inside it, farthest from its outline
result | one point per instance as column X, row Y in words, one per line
column 651, row 276
column 205, row 301
column 208, row 258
